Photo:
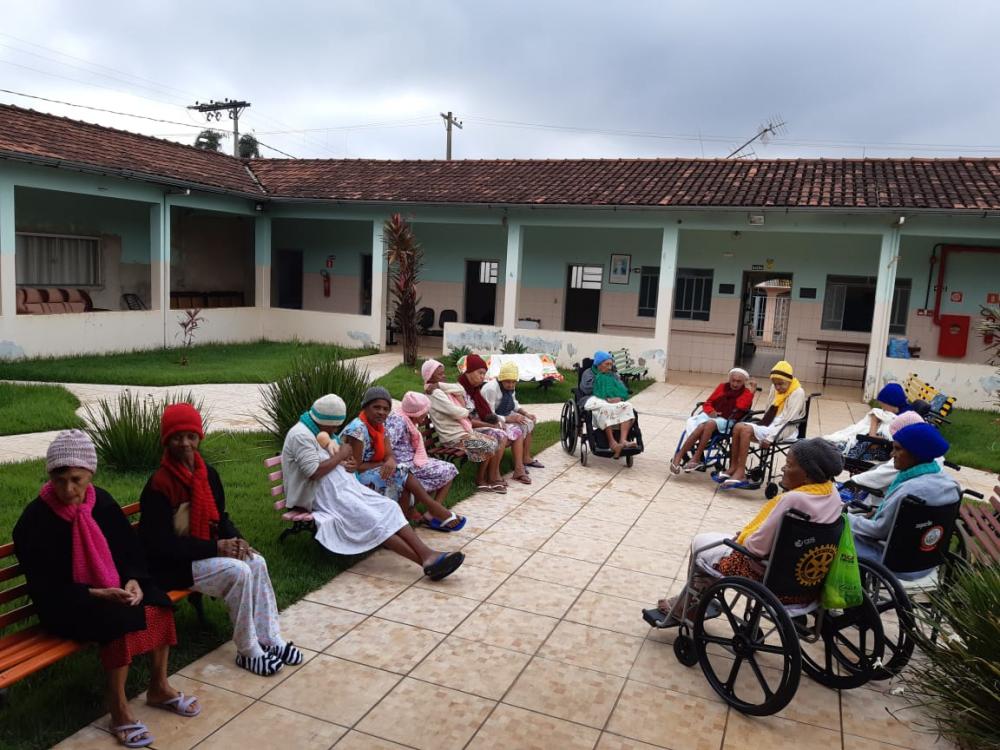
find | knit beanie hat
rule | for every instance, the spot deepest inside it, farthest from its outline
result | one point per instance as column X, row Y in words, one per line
column 601, row 356
column 180, row 417
column 893, row 395
column 376, row 393
column 922, row 441
column 782, row 369
column 328, row 410
column 415, row 405
column 508, row 371
column 474, row 362
column 819, row 458
column 428, row 368
column 904, row 420
column 71, row 448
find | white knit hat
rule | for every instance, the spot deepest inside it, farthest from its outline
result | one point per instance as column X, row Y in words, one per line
column 71, row 448
column 329, row 410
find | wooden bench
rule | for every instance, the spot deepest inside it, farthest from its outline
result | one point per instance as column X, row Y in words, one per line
column 982, row 527
column 940, row 404
column 627, row 368
column 826, row 348
column 301, row 520
column 31, row 649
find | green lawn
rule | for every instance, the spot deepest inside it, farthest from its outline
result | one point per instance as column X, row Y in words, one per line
column 36, row 408
column 57, row 701
column 402, row 378
column 255, row 362
column 974, row 438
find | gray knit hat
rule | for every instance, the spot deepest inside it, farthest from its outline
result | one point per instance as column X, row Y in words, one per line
column 819, row 458
column 71, row 448
column 375, row 393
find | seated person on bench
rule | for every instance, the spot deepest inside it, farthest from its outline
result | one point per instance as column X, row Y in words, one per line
column 881, row 475
column 518, row 424
column 914, row 451
column 87, row 577
column 892, row 402
column 728, row 403
column 807, row 479
column 605, row 396
column 786, row 402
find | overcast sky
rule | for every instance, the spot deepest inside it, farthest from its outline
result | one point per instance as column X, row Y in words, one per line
column 848, row 78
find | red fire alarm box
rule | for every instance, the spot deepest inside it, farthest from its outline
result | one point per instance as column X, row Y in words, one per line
column 954, row 337
column 956, row 296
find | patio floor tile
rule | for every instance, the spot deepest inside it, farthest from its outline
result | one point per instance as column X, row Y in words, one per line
column 500, row 557
column 539, row 597
column 669, row 719
column 616, row 742
column 428, row 609
column 657, row 665
column 388, row 566
column 566, row 692
column 631, row 584
column 272, row 728
column 356, row 593
column 219, row 668
column 584, row 646
column 579, row 547
column 358, row 741
column 316, row 626
column 471, row 581
column 506, row 628
column 886, row 718
column 558, row 569
column 772, row 733
column 387, row 645
column 509, row 727
column 610, row 613
column 472, row 667
column 665, row 562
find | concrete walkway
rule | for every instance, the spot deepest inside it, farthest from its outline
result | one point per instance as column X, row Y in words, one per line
column 535, row 643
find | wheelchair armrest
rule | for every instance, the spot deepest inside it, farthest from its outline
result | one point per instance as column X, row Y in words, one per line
column 973, row 493
column 953, row 467
column 743, row 550
column 860, row 506
column 753, row 413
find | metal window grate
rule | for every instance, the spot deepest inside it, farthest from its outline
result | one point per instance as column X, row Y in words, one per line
column 693, row 294
column 649, row 287
column 488, row 271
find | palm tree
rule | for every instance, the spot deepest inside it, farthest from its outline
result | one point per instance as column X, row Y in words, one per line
column 249, row 147
column 405, row 257
column 208, row 140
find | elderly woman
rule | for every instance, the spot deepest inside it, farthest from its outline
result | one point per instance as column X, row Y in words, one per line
column 450, row 413
column 727, row 404
column 875, row 423
column 88, row 580
column 517, row 423
column 192, row 543
column 605, row 396
column 786, row 402
column 318, row 473
column 879, row 477
column 807, row 479
column 914, row 452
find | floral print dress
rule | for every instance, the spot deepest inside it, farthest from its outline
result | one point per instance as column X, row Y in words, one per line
column 391, row 487
column 434, row 474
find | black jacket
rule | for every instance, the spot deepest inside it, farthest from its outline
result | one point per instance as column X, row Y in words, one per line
column 44, row 546
column 170, row 555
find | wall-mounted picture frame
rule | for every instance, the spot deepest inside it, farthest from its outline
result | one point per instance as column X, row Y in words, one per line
column 620, row 268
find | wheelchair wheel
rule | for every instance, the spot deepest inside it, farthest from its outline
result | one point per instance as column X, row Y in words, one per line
column 684, row 650
column 584, row 452
column 629, row 460
column 763, row 675
column 895, row 612
column 756, row 474
column 568, row 427
column 851, row 642
column 771, row 490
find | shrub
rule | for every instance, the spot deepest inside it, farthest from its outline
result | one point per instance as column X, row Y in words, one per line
column 126, row 429
column 311, row 377
column 958, row 683
column 513, row 346
column 456, row 354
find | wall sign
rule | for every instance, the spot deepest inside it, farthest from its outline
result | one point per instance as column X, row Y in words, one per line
column 757, row 267
column 807, row 292
column 727, row 288
column 956, row 296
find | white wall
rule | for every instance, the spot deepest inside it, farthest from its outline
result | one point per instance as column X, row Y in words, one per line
column 79, row 333
column 974, row 386
column 332, row 328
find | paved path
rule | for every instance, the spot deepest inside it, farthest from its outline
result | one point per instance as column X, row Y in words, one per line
column 536, row 643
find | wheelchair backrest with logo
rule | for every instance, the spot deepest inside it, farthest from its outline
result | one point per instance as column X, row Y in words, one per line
column 801, row 555
column 920, row 535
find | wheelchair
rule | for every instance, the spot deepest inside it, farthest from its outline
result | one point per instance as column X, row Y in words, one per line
column 762, row 472
column 576, row 425
column 716, row 453
column 752, row 648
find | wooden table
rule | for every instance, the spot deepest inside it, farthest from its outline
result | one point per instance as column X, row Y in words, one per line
column 843, row 347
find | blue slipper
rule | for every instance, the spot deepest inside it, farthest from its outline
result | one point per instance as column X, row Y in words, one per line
column 743, row 484
column 719, row 477
column 439, row 525
column 446, row 564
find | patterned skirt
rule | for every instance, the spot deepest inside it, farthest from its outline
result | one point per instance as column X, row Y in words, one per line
column 159, row 632
column 435, row 474
column 391, row 487
column 478, row 447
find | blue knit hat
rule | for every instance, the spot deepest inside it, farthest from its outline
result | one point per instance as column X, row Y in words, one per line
column 893, row 395
column 923, row 441
column 601, row 356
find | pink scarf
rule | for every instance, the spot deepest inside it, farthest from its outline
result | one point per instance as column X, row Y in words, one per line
column 92, row 561
column 416, row 440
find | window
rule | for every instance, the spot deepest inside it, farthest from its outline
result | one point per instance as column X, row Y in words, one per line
column 649, row 283
column 488, row 270
column 51, row 260
column 586, row 277
column 849, row 304
column 693, row 295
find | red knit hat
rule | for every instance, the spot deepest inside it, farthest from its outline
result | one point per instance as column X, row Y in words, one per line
column 180, row 417
column 474, row 362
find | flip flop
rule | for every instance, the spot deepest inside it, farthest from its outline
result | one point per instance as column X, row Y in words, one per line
column 500, row 488
column 438, row 525
column 180, row 705
column 738, row 484
column 523, row 479
column 719, row 477
column 692, row 466
column 444, row 566
column 675, row 468
column 535, row 464
column 132, row 733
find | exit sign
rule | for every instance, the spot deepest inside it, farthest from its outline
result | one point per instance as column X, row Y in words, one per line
column 993, row 298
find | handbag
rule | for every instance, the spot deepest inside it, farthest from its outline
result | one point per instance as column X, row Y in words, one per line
column 842, row 586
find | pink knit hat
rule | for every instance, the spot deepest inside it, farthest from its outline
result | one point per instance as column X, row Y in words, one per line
column 71, row 448
column 428, row 368
column 415, row 405
column 904, row 420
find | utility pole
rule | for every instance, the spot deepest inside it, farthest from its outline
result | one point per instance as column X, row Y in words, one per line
column 450, row 120
column 213, row 111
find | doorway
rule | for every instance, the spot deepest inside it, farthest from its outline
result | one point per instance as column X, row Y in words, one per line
column 583, row 298
column 763, row 330
column 288, row 279
column 366, row 284
column 481, row 291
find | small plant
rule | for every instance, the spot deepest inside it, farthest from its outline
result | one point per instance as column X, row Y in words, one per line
column 286, row 399
column 189, row 323
column 456, row 354
column 126, row 429
column 513, row 346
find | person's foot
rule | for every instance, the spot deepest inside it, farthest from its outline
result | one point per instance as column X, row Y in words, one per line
column 675, row 465
column 617, row 448
column 692, row 465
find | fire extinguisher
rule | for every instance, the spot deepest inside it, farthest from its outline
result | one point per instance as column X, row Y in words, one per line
column 326, row 282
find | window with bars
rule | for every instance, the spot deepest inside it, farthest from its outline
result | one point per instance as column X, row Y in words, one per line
column 649, row 283
column 586, row 277
column 488, row 271
column 57, row 260
column 693, row 293
column 849, row 304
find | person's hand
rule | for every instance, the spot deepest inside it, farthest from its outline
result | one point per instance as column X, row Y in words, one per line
column 349, row 464
column 532, row 417
column 514, row 418
column 113, row 595
column 388, row 468
column 135, row 590
column 613, row 400
column 238, row 549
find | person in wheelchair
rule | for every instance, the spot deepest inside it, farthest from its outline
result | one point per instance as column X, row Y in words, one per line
column 914, row 452
column 881, row 475
column 786, row 402
column 605, row 396
column 729, row 402
column 807, row 478
column 876, row 423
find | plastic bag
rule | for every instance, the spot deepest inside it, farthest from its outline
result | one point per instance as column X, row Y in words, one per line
column 899, row 348
column 842, row 587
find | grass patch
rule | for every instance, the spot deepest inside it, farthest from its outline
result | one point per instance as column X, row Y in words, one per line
column 36, row 408
column 975, row 439
column 256, row 362
column 57, row 701
column 402, row 378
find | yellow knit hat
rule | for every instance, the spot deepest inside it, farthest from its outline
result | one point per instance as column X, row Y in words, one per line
column 782, row 370
column 508, row 371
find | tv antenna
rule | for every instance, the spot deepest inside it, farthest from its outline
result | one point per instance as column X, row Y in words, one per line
column 775, row 126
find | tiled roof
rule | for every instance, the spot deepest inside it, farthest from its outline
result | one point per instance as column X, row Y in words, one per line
column 28, row 134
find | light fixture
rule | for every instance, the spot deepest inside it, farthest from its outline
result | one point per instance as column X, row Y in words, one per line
column 755, row 220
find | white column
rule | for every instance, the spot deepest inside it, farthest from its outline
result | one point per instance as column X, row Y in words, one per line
column 8, row 279
column 888, row 259
column 159, row 265
column 665, row 292
column 378, row 284
column 262, row 261
column 512, row 277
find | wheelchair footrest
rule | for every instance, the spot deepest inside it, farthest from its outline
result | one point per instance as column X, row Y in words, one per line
column 657, row 619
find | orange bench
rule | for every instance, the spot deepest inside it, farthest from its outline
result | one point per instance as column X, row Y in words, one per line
column 51, row 300
column 31, row 649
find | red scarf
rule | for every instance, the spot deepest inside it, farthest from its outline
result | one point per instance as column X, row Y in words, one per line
column 483, row 409
column 181, row 485
column 377, row 434
column 93, row 564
